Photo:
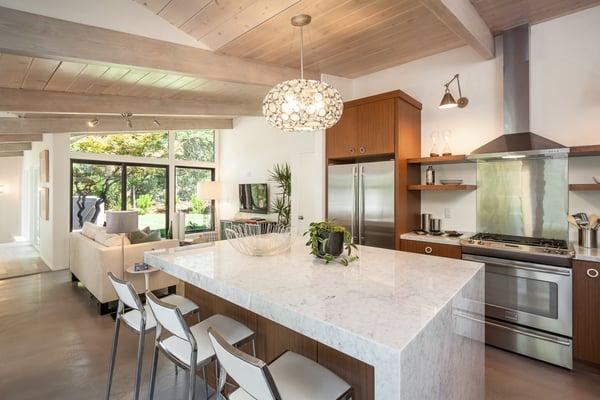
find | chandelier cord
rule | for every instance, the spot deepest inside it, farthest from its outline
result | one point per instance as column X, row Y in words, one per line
column 302, row 52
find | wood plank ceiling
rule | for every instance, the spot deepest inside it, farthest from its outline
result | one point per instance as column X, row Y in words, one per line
column 347, row 37
column 21, row 72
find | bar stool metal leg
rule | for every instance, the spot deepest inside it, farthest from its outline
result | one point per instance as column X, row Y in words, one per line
column 192, row 389
column 153, row 373
column 138, row 370
column 113, row 356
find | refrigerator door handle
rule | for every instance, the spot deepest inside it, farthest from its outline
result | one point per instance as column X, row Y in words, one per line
column 361, row 204
column 353, row 217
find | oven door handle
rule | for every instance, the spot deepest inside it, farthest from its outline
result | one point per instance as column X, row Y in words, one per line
column 518, row 265
column 514, row 330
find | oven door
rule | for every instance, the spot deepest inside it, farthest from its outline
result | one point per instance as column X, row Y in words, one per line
column 528, row 294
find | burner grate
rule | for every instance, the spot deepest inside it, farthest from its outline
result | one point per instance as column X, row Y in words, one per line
column 522, row 240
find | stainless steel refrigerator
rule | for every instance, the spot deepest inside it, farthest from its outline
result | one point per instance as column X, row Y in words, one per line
column 361, row 198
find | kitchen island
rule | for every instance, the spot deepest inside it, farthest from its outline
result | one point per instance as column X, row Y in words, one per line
column 395, row 325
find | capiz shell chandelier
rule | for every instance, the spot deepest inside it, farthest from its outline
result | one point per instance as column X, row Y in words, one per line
column 300, row 105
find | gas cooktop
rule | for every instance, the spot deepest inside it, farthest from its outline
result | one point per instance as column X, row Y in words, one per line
column 517, row 247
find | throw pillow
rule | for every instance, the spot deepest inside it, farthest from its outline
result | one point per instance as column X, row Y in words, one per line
column 144, row 236
column 89, row 230
column 109, row 239
column 154, row 236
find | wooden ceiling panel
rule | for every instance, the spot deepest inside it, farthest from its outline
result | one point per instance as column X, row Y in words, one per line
column 86, row 77
column 214, row 14
column 64, row 76
column 13, row 70
column 177, row 12
column 500, row 15
column 111, row 75
column 39, row 73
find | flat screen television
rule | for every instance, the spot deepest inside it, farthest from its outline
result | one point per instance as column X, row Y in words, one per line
column 254, row 198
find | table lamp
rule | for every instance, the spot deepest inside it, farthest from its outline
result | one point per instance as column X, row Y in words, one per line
column 122, row 222
column 209, row 190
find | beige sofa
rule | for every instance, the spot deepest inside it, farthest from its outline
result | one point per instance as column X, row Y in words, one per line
column 90, row 262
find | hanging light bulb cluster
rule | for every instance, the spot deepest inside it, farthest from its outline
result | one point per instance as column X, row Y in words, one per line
column 299, row 105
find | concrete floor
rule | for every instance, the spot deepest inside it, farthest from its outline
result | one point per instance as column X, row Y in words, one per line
column 53, row 345
column 20, row 259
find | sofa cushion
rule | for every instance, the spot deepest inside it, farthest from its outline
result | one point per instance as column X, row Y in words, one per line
column 144, row 236
column 110, row 239
column 89, row 230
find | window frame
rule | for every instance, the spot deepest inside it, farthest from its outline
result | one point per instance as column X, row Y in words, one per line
column 212, row 202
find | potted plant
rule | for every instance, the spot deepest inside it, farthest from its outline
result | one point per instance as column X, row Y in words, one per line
column 282, row 204
column 328, row 241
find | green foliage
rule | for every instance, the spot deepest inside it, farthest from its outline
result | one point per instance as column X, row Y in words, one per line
column 152, row 144
column 198, row 206
column 282, row 204
column 318, row 242
column 194, row 227
column 144, row 203
column 195, row 145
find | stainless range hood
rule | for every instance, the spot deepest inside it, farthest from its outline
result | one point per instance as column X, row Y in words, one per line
column 518, row 141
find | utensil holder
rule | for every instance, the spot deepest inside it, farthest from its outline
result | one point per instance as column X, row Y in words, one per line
column 436, row 225
column 425, row 222
column 588, row 238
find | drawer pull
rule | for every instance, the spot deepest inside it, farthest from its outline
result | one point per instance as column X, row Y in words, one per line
column 429, row 250
column 361, row 149
column 592, row 273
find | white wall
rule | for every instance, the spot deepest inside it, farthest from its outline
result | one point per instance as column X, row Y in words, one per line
column 10, row 199
column 252, row 148
column 565, row 103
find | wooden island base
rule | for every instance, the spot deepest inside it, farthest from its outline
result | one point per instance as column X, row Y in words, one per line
column 273, row 339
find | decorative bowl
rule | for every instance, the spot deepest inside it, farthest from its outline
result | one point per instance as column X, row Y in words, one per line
column 259, row 239
column 451, row 181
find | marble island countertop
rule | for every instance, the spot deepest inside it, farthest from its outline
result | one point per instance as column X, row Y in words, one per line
column 370, row 310
column 586, row 253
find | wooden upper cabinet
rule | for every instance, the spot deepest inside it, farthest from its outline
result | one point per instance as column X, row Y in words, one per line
column 376, row 127
column 342, row 138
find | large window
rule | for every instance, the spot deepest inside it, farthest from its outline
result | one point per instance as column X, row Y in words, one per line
column 125, row 171
column 199, row 213
column 98, row 187
column 195, row 145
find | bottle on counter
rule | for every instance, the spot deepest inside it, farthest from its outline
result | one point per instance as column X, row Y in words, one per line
column 430, row 176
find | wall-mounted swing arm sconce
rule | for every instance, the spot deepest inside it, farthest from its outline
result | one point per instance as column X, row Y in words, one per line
column 448, row 100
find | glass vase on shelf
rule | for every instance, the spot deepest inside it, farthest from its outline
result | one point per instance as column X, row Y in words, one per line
column 447, row 136
column 435, row 144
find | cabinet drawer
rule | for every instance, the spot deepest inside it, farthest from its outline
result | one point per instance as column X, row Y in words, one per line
column 432, row 249
column 586, row 314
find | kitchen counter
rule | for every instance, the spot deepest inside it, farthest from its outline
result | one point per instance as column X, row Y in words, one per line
column 413, row 318
column 436, row 239
column 586, row 254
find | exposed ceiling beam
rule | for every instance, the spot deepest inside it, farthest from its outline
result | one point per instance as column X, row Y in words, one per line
column 10, row 147
column 37, row 101
column 107, row 124
column 39, row 36
column 463, row 19
column 38, row 137
column 12, row 154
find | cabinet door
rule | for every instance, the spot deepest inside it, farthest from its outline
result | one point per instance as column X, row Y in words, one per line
column 586, row 317
column 376, row 127
column 431, row 249
column 341, row 139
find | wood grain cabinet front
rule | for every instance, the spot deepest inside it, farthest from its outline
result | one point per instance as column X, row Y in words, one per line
column 376, row 128
column 342, row 138
column 586, row 311
column 432, row 249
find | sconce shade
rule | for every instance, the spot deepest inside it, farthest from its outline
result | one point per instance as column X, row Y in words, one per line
column 121, row 221
column 448, row 100
column 209, row 190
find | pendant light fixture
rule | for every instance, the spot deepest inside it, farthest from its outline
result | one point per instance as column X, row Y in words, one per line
column 300, row 105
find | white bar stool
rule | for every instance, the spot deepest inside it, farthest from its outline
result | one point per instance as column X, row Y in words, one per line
column 189, row 347
column 140, row 320
column 291, row 376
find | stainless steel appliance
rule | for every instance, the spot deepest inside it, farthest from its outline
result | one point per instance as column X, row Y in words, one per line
column 528, row 294
column 361, row 198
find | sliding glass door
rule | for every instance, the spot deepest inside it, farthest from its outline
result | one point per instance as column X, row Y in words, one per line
column 97, row 187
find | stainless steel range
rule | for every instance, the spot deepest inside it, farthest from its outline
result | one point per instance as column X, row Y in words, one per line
column 528, row 294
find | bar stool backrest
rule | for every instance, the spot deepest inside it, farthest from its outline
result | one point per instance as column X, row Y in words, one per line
column 250, row 373
column 169, row 317
column 126, row 292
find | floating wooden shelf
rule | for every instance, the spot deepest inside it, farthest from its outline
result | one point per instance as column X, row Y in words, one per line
column 584, row 151
column 439, row 160
column 584, row 186
column 443, row 187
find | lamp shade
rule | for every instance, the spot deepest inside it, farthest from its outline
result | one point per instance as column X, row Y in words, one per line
column 209, row 190
column 448, row 100
column 121, row 221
